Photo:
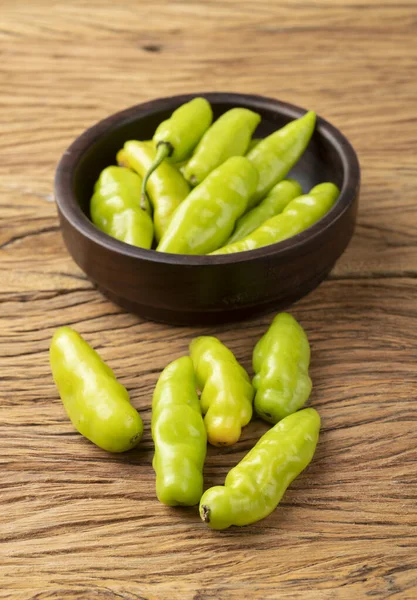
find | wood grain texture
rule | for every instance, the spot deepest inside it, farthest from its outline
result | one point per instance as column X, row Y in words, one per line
column 78, row 523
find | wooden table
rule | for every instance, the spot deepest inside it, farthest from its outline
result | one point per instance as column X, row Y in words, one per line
column 78, row 523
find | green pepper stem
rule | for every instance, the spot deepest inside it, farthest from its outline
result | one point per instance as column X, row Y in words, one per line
column 163, row 150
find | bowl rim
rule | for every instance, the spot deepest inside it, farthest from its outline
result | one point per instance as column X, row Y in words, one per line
column 70, row 209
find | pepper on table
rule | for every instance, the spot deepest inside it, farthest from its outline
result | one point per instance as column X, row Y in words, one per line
column 255, row 486
column 179, row 435
column 97, row 404
column 176, row 137
column 226, row 391
column 206, row 218
column 298, row 215
column 167, row 188
column 281, row 360
column 115, row 209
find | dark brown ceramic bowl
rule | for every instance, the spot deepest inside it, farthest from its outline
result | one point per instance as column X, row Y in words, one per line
column 181, row 289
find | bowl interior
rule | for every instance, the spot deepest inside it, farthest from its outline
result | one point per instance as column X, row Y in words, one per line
column 319, row 163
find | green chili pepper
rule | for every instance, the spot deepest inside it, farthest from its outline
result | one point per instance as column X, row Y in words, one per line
column 179, row 435
column 177, row 137
column 97, row 404
column 228, row 136
column 278, row 198
column 276, row 154
column 115, row 209
column 254, row 487
column 226, row 391
column 298, row 215
column 122, row 160
column 205, row 220
column 280, row 361
column 167, row 187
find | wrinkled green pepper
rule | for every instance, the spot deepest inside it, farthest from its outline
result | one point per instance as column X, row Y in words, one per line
column 228, row 136
column 115, row 209
column 205, row 220
column 167, row 188
column 276, row 154
column 275, row 202
column 179, row 435
column 298, row 215
column 97, row 404
column 177, row 137
column 254, row 487
column 226, row 391
column 280, row 361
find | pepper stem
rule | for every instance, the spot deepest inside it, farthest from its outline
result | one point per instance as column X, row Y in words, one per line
column 163, row 150
column 205, row 514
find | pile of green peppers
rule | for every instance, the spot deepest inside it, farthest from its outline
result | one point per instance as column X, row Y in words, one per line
column 206, row 396
column 200, row 187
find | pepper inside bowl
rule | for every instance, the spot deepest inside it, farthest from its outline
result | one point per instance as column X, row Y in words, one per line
column 184, row 289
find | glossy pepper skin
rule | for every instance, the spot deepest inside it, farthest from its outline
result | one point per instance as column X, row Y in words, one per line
column 281, row 360
column 167, row 188
column 97, row 404
column 206, row 218
column 298, row 215
column 179, row 435
column 254, row 487
column 122, row 160
column 275, row 202
column 177, row 137
column 276, row 154
column 115, row 209
column 226, row 391
column 229, row 136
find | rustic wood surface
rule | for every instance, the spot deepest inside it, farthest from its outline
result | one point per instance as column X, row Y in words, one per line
column 78, row 523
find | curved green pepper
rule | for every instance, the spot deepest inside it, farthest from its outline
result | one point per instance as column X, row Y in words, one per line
column 280, row 361
column 226, row 391
column 276, row 154
column 206, row 218
column 254, row 487
column 228, row 136
column 115, row 209
column 177, row 137
column 179, row 435
column 167, row 187
column 275, row 202
column 298, row 215
column 97, row 404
